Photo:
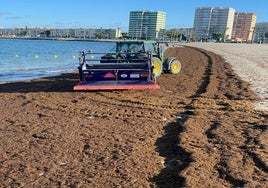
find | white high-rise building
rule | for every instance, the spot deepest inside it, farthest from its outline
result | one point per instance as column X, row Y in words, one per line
column 146, row 24
column 209, row 20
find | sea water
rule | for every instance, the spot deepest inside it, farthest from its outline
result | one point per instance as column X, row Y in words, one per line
column 28, row 59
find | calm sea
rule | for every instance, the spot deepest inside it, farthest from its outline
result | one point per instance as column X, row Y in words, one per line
column 28, row 59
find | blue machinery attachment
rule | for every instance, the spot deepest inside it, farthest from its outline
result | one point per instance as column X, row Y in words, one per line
column 115, row 71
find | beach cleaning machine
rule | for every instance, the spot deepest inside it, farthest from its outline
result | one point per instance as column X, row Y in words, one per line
column 115, row 71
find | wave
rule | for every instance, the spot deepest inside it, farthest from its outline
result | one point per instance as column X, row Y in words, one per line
column 30, row 74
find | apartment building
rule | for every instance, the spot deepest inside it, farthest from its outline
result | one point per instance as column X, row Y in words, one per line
column 146, row 24
column 243, row 27
column 61, row 33
column 260, row 32
column 209, row 20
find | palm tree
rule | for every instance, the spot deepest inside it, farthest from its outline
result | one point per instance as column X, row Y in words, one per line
column 224, row 34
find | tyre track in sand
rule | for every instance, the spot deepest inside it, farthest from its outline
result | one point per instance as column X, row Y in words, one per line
column 215, row 134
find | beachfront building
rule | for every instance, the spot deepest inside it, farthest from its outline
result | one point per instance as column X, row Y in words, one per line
column 61, row 33
column 261, row 32
column 146, row 24
column 7, row 32
column 213, row 20
column 243, row 27
column 107, row 33
column 83, row 33
column 80, row 33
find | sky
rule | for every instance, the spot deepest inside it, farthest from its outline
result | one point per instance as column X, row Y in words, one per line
column 112, row 13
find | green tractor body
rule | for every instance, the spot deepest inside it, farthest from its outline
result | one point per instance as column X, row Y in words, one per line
column 157, row 50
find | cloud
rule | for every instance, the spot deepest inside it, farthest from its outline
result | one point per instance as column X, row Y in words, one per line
column 10, row 16
column 14, row 17
column 63, row 25
column 4, row 13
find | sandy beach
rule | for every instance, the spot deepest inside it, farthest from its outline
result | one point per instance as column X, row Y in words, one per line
column 200, row 129
column 250, row 62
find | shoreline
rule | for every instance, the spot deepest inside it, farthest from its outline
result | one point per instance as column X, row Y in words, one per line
column 62, row 39
column 24, row 59
column 41, row 77
column 251, row 65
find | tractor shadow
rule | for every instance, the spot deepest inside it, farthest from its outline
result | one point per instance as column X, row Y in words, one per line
column 63, row 83
column 176, row 158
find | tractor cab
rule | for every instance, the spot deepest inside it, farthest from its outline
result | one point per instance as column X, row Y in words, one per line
column 156, row 49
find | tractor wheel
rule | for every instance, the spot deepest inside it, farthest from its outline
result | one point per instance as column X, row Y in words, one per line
column 175, row 67
column 157, row 66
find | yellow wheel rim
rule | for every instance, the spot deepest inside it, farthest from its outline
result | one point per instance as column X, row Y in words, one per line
column 157, row 68
column 175, row 67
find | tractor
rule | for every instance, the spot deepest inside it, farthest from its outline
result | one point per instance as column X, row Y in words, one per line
column 134, row 64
